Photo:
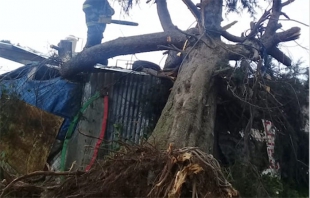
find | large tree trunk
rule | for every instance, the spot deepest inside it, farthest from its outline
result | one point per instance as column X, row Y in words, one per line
column 189, row 115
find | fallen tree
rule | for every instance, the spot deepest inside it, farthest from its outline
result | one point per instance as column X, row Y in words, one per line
column 204, row 82
column 188, row 118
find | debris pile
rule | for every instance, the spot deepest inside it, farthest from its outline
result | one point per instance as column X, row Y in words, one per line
column 142, row 171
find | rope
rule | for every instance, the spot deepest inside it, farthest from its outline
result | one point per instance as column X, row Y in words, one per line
column 71, row 129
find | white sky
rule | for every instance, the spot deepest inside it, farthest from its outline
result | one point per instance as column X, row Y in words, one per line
column 39, row 23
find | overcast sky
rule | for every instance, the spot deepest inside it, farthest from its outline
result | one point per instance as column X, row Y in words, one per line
column 40, row 23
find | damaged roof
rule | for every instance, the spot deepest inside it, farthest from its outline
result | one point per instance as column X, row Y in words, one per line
column 18, row 54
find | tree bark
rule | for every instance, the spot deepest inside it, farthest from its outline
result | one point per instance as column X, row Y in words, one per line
column 85, row 60
column 189, row 115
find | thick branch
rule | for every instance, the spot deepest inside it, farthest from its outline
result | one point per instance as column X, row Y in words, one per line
column 164, row 15
column 232, row 38
column 287, row 3
column 287, row 35
column 121, row 46
column 272, row 24
column 211, row 17
column 229, row 36
column 279, row 56
column 193, row 8
column 237, row 52
column 250, row 47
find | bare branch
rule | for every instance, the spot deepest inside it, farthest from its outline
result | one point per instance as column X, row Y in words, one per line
column 159, row 74
column 269, row 40
column 288, row 35
column 285, row 15
column 279, row 56
column 229, row 36
column 294, row 21
column 256, row 26
column 237, row 52
column 164, row 15
column 287, row 3
column 226, row 27
column 193, row 8
column 84, row 61
column 272, row 24
column 232, row 38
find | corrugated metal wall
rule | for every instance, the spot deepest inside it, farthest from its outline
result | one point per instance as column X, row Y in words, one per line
column 135, row 103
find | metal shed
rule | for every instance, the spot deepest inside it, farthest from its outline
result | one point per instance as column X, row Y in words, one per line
column 135, row 104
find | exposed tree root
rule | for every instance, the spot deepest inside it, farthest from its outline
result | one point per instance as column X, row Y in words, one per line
column 140, row 171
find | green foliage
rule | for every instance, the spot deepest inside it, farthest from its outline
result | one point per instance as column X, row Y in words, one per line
column 118, row 130
column 291, row 190
column 239, row 5
column 284, row 105
column 247, row 180
column 274, row 185
column 127, row 4
column 231, row 5
column 250, row 183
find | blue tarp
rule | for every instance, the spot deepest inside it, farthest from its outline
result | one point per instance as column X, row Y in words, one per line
column 45, row 90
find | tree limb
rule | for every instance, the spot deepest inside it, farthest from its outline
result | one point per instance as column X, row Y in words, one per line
column 279, row 56
column 159, row 74
column 84, row 61
column 236, row 52
column 256, row 25
column 287, row 35
column 231, row 37
column 226, row 27
column 271, row 27
column 211, row 17
column 193, row 8
column 270, row 38
column 164, row 15
column 287, row 3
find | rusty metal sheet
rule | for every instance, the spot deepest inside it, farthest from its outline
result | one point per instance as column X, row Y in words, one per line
column 26, row 136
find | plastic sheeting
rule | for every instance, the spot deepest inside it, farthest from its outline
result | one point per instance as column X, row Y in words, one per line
column 42, row 86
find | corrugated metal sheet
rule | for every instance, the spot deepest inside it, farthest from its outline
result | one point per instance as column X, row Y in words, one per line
column 131, row 101
column 135, row 104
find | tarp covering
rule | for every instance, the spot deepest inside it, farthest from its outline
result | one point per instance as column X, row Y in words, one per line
column 42, row 86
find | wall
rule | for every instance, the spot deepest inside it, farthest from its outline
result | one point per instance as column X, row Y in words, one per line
column 135, row 103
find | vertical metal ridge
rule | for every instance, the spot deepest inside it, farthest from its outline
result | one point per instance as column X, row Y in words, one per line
column 131, row 103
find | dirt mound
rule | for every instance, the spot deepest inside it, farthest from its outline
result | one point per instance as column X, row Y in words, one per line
column 143, row 171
